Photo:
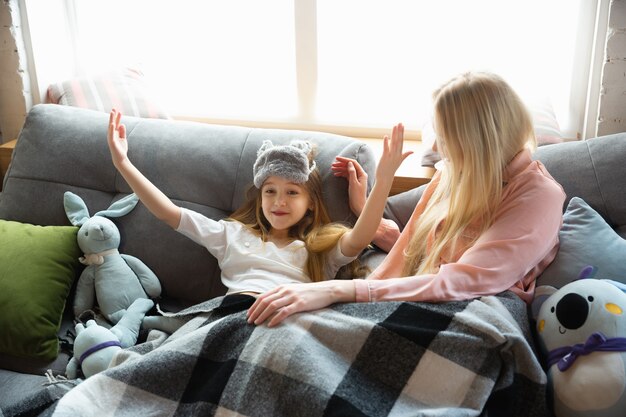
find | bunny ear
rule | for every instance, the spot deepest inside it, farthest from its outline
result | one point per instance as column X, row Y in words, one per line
column 120, row 207
column 75, row 209
column 265, row 146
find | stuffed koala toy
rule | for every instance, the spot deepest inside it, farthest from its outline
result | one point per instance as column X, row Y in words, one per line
column 582, row 332
column 95, row 345
column 115, row 280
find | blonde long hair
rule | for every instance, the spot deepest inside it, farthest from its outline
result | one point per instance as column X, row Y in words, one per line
column 481, row 124
column 316, row 230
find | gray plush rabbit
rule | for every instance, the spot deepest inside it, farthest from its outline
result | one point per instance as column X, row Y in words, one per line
column 115, row 280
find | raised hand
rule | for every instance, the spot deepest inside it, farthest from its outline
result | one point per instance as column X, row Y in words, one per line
column 357, row 181
column 157, row 202
column 116, row 138
column 392, row 155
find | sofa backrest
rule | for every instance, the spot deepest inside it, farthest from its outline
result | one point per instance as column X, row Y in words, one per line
column 592, row 170
column 203, row 167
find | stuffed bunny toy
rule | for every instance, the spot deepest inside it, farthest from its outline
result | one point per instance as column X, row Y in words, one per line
column 116, row 280
column 96, row 345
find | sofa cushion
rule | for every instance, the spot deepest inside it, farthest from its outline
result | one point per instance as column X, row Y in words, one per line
column 400, row 207
column 586, row 239
column 37, row 268
column 123, row 89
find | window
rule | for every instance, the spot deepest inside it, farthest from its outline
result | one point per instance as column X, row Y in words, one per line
column 359, row 63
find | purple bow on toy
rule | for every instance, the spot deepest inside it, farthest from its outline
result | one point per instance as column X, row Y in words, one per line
column 566, row 355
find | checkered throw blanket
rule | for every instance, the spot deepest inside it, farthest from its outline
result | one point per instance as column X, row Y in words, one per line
column 362, row 359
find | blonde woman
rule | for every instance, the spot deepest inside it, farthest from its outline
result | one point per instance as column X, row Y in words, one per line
column 487, row 222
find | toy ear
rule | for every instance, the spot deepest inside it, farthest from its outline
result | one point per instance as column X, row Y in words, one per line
column 75, row 209
column 120, row 207
column 620, row 285
column 305, row 146
column 587, row 272
column 542, row 293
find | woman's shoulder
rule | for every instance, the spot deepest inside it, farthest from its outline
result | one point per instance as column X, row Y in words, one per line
column 536, row 182
column 539, row 175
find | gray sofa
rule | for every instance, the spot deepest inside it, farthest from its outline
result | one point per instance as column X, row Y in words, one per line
column 207, row 168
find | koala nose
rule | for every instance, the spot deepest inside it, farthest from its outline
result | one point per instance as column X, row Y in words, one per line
column 572, row 311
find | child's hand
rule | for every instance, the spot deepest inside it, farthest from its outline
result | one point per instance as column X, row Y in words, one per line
column 116, row 138
column 392, row 155
column 357, row 181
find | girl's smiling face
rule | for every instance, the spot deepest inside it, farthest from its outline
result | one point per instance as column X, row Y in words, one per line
column 284, row 203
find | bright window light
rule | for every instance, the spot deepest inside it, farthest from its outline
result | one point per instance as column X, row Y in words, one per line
column 380, row 61
column 208, row 58
column 358, row 63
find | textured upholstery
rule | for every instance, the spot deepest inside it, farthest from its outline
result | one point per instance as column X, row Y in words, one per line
column 593, row 170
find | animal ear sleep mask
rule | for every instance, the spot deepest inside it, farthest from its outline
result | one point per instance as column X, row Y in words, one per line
column 286, row 161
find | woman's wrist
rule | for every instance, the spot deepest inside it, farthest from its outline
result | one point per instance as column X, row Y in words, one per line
column 343, row 291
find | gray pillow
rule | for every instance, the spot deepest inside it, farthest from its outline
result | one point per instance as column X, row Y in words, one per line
column 586, row 239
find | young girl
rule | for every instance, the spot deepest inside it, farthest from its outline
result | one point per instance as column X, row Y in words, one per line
column 282, row 234
column 486, row 223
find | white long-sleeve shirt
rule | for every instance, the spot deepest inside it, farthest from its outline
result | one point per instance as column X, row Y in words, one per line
column 249, row 264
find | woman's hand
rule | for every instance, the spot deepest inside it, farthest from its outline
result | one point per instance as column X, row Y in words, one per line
column 116, row 138
column 357, row 181
column 285, row 300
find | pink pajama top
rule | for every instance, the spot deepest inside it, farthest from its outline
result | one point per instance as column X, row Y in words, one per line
column 510, row 254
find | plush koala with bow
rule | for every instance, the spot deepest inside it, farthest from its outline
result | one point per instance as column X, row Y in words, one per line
column 115, row 280
column 582, row 332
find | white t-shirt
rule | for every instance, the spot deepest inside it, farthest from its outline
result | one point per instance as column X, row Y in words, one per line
column 248, row 263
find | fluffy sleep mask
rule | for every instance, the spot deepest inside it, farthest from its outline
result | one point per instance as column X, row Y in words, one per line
column 286, row 161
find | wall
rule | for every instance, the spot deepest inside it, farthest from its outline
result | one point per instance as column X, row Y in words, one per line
column 612, row 106
column 15, row 94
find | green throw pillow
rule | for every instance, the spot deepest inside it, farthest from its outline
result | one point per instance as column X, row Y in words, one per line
column 37, row 267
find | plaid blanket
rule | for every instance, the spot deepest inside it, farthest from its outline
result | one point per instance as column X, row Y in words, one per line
column 362, row 359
